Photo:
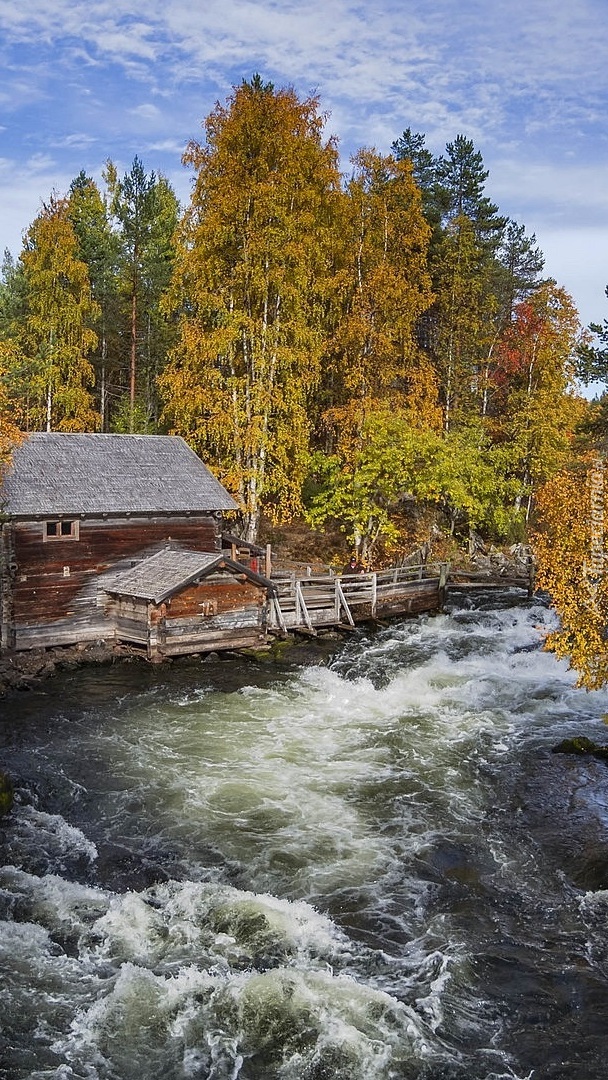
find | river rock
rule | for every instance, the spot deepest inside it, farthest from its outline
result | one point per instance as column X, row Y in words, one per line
column 580, row 744
column 6, row 794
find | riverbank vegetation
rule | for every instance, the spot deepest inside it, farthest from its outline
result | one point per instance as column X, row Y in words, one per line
column 377, row 353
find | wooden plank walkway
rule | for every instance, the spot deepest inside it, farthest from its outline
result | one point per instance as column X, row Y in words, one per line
column 308, row 603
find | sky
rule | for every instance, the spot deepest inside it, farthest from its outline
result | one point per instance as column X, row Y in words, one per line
column 526, row 80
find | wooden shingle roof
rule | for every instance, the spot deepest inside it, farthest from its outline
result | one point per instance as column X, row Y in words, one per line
column 166, row 572
column 56, row 473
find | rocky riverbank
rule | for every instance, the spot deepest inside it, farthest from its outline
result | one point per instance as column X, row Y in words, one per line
column 22, row 670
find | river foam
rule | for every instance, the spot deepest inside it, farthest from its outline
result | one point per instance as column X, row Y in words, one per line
column 358, row 870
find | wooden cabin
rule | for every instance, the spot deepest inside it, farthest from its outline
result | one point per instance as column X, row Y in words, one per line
column 76, row 510
column 119, row 538
column 179, row 601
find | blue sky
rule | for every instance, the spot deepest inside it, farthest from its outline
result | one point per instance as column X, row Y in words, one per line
column 526, row 80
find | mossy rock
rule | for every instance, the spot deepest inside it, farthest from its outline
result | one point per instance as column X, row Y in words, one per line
column 6, row 794
column 578, row 745
column 267, row 653
column 582, row 745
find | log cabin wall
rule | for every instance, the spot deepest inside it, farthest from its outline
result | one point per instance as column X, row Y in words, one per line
column 52, row 585
column 220, row 612
column 128, row 615
column 7, row 573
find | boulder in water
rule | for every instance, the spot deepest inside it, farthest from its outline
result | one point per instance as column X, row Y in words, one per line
column 580, row 744
column 6, row 794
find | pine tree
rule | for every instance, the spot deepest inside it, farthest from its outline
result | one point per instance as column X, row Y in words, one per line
column 521, row 262
column 461, row 177
column 592, row 359
column 145, row 209
column 98, row 247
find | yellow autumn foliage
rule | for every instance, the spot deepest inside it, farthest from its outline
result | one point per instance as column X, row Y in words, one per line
column 570, row 549
column 9, row 432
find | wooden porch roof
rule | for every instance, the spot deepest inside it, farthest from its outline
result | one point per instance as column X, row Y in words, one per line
column 168, row 571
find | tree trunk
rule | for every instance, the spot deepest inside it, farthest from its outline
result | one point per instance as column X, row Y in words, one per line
column 133, row 359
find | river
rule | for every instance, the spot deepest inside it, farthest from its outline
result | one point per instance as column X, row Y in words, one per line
column 365, row 868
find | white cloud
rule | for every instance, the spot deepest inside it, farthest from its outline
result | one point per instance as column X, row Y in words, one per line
column 76, row 141
column 146, row 112
column 525, row 79
column 40, row 163
column 167, row 146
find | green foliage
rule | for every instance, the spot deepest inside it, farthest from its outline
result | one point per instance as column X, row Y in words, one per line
column 144, row 209
column 362, row 494
column 592, row 360
column 132, row 419
column 398, row 465
column 13, row 297
column 55, row 336
column 99, row 247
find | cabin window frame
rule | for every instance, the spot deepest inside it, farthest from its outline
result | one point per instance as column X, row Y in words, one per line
column 55, row 529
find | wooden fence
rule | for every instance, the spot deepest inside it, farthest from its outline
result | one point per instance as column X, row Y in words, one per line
column 306, row 603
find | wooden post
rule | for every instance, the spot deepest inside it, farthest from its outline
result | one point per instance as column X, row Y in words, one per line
column 443, row 580
column 279, row 614
column 268, row 564
column 301, row 609
column 531, row 576
column 374, row 594
column 342, row 599
column 150, row 634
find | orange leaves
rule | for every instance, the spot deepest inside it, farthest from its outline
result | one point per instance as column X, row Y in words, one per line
column 571, row 551
column 250, row 289
column 9, row 432
column 381, row 287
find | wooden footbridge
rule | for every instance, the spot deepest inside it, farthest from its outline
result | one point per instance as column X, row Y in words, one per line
column 306, row 604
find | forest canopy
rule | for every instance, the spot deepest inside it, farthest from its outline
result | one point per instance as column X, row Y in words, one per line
column 375, row 350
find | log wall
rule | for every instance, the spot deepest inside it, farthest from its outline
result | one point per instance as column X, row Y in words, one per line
column 50, row 588
column 218, row 613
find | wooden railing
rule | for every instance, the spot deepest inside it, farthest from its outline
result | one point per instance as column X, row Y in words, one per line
column 342, row 600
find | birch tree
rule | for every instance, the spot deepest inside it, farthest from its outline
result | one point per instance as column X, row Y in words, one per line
column 570, row 547
column 56, row 334
column 382, row 288
column 9, row 432
column 537, row 406
column 251, row 272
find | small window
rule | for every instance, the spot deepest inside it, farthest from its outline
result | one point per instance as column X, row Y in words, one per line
column 64, row 529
